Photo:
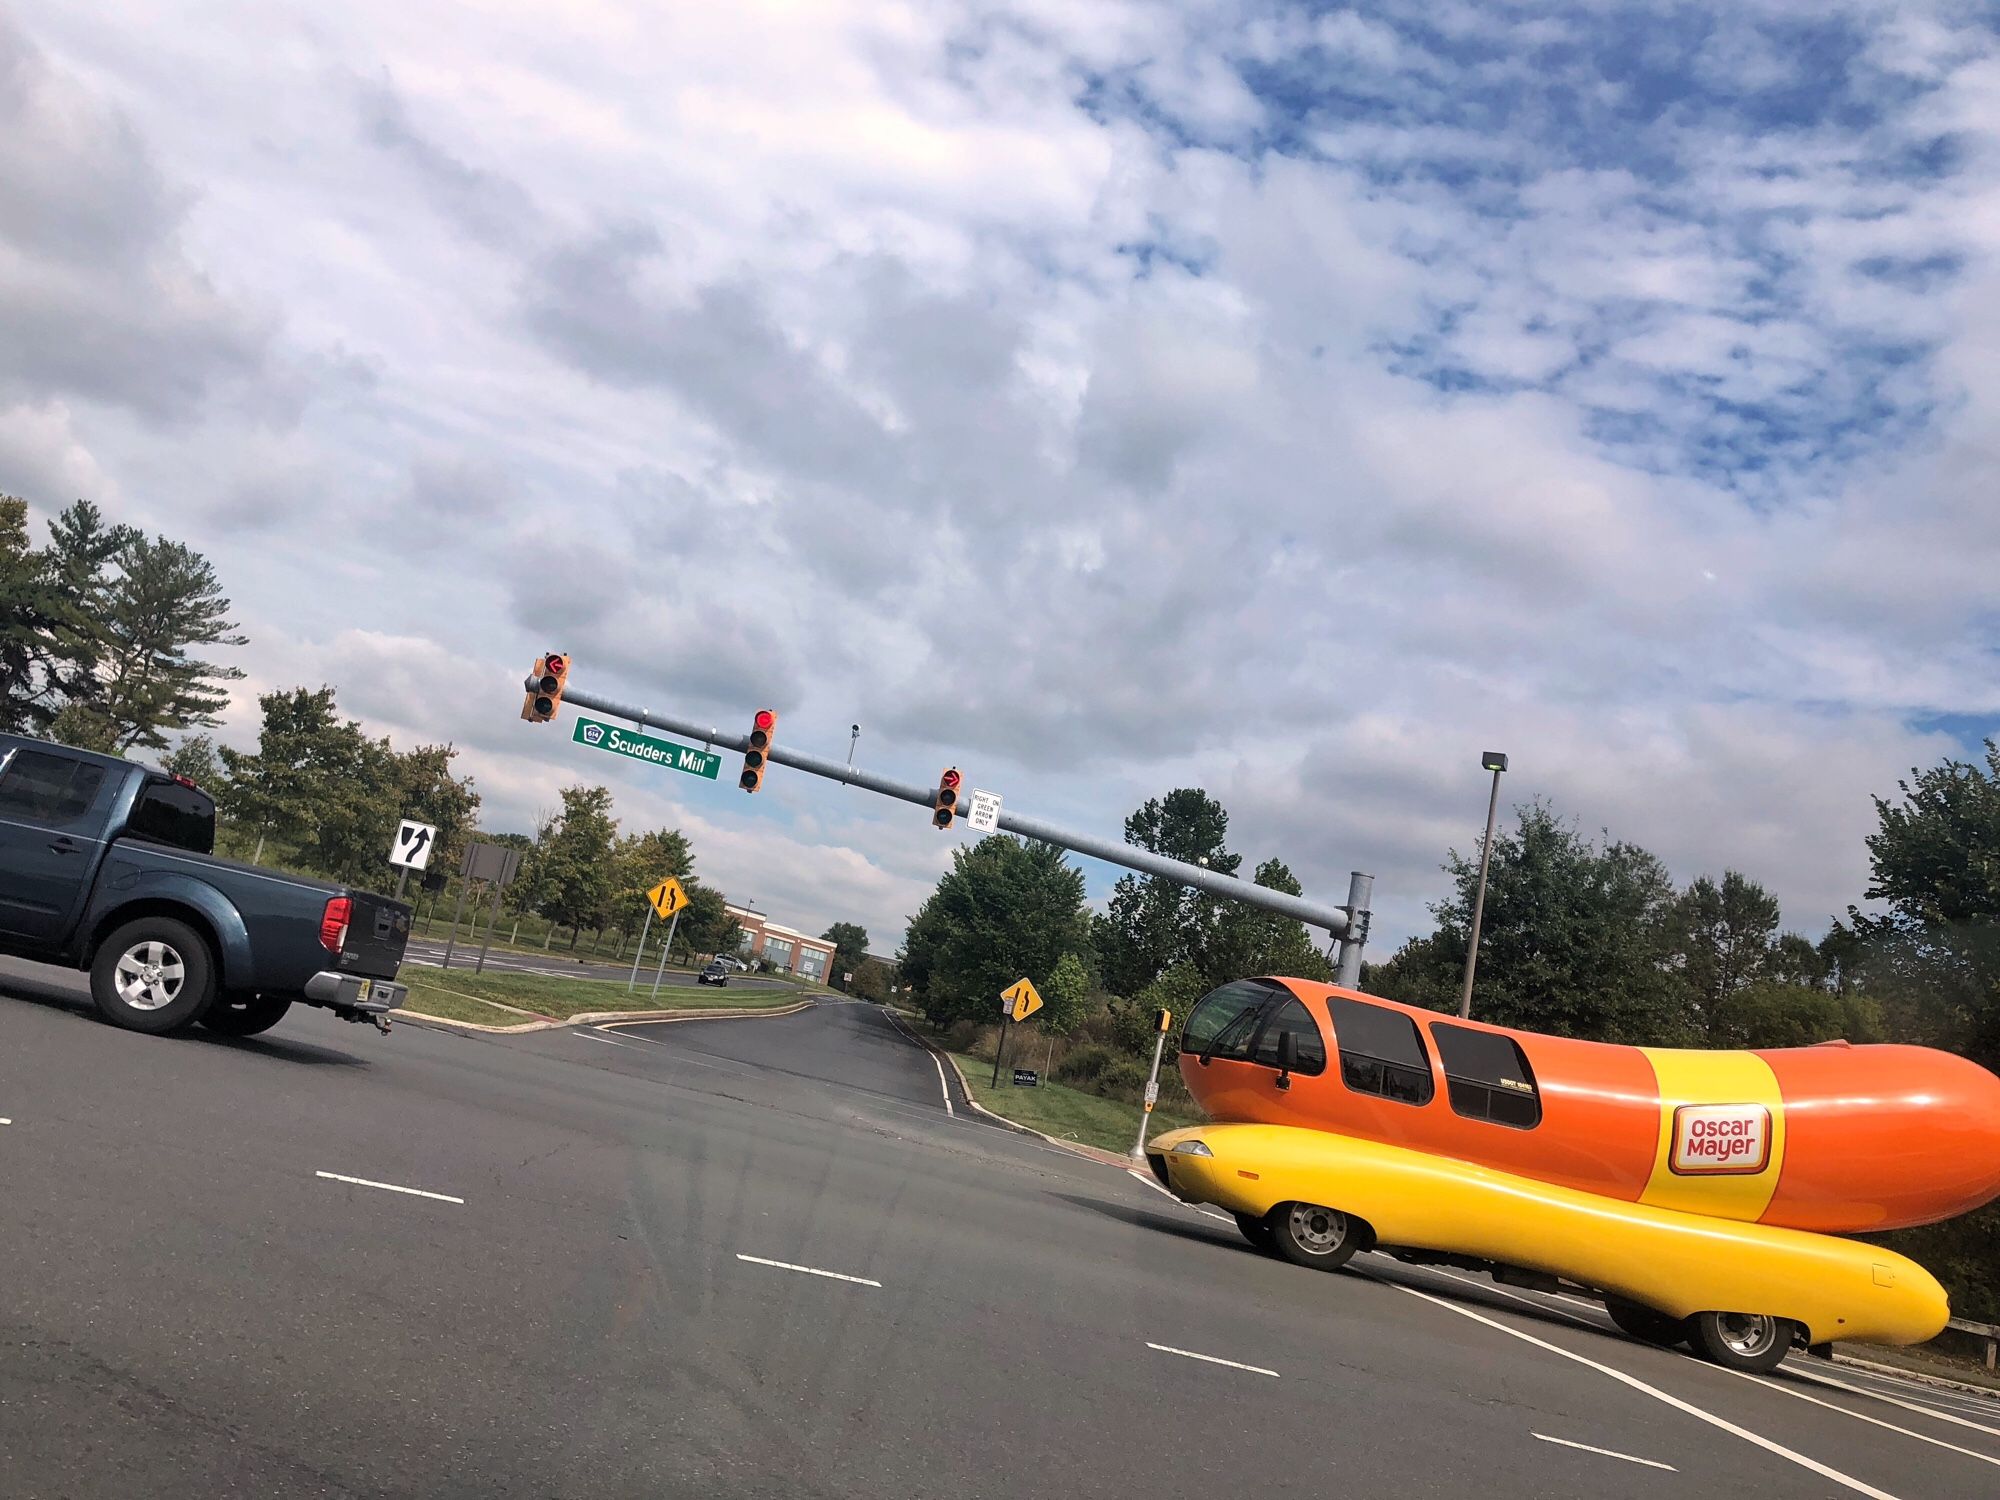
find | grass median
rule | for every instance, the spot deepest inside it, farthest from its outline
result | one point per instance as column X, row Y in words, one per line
column 1067, row 1114
column 501, row 999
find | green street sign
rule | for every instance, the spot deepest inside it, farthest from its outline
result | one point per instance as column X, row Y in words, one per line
column 655, row 752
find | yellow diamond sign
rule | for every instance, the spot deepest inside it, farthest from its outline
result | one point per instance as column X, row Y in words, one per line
column 1021, row 993
column 667, row 897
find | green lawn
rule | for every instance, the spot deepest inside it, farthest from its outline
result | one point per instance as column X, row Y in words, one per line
column 1067, row 1114
column 461, row 995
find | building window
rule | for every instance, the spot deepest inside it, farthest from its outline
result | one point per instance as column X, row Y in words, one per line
column 1381, row 1051
column 811, row 962
column 1486, row 1076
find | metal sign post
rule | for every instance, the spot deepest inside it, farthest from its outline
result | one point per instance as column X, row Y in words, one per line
column 666, row 948
column 1161, row 1022
column 457, row 911
column 640, row 951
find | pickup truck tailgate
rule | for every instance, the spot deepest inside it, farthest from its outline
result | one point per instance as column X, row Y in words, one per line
column 378, row 930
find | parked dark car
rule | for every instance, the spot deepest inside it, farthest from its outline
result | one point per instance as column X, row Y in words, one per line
column 716, row 973
column 105, row 866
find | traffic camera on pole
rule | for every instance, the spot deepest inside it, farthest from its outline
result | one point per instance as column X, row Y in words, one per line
column 944, row 803
column 545, row 687
column 762, row 727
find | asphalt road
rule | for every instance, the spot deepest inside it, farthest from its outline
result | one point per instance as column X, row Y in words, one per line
column 429, row 953
column 627, row 1300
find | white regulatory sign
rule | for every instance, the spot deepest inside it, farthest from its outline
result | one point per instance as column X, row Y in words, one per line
column 412, row 849
column 984, row 813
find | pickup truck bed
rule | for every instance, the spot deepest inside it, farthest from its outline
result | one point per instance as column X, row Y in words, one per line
column 104, row 866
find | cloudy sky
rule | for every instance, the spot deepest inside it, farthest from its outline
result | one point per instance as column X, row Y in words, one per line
column 1288, row 399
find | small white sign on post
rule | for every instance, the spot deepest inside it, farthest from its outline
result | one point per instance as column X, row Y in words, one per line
column 412, row 849
column 984, row 813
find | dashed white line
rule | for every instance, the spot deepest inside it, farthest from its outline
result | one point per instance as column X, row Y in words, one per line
column 785, row 1265
column 389, row 1187
column 1630, row 1458
column 1927, row 1411
column 590, row 1036
column 1211, row 1359
column 1138, row 1176
column 1825, row 1471
column 1985, row 1458
column 6, row 1122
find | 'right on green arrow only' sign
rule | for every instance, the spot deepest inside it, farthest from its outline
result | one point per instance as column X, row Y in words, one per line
column 636, row 746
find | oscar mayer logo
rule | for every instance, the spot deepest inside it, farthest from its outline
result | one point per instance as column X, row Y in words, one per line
column 1721, row 1140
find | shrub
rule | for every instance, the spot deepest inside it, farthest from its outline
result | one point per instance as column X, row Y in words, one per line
column 1085, row 1065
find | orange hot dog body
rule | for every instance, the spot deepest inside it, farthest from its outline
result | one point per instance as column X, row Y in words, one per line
column 1854, row 1138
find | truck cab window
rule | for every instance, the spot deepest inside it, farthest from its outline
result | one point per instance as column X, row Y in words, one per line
column 52, row 791
column 178, row 816
column 1294, row 1018
column 1381, row 1051
column 1486, row 1076
column 1224, row 1021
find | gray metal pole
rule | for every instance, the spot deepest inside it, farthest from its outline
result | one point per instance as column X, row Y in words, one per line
column 1152, row 1096
column 1331, row 919
column 492, row 921
column 665, row 948
column 640, row 950
column 402, row 879
column 456, row 912
column 1479, row 903
column 1360, row 890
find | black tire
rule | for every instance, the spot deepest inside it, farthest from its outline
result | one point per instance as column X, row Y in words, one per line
column 1308, row 1234
column 154, row 975
column 1646, row 1325
column 246, row 1017
column 1258, row 1232
column 1752, row 1342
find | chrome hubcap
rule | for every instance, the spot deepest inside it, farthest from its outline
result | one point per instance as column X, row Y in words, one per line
column 1318, row 1231
column 1749, row 1334
column 149, row 975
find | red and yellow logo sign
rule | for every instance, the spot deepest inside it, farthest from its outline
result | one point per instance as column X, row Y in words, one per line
column 1717, row 1140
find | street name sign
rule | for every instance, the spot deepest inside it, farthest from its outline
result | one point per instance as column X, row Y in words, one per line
column 1022, row 999
column 636, row 746
column 412, row 849
column 984, row 814
column 667, row 897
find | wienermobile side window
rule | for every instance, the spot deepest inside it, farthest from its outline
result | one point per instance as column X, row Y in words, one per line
column 1294, row 1018
column 1381, row 1051
column 1486, row 1076
column 1225, row 1020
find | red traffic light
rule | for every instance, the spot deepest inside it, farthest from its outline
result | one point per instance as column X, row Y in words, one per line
column 944, row 802
column 556, row 663
column 950, row 779
column 764, row 720
column 545, row 688
column 755, row 759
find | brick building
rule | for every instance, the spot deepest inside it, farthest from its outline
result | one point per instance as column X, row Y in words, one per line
column 782, row 947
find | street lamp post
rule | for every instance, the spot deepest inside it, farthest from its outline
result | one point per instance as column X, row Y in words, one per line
column 1494, row 761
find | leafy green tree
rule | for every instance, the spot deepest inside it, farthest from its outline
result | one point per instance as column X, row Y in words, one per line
column 47, row 641
column 707, row 926
column 639, row 862
column 195, row 758
column 1153, row 923
column 850, row 947
column 1721, row 937
column 163, row 604
column 429, row 792
column 1065, row 995
column 1245, row 940
column 1773, row 1013
column 1006, row 908
column 285, row 788
column 1575, row 939
column 574, row 875
column 80, row 725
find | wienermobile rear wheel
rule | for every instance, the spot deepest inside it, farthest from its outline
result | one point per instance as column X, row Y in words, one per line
column 1310, row 1234
column 1258, row 1232
column 1752, row 1342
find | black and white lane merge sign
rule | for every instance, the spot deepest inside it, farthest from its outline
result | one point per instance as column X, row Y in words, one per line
column 412, row 849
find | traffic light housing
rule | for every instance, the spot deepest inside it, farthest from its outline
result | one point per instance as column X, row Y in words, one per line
column 763, row 724
column 944, row 802
column 546, row 680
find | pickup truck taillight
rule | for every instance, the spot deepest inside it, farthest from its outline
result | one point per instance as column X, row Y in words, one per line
column 333, row 923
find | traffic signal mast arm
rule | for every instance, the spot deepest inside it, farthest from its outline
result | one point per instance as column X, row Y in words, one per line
column 1349, row 923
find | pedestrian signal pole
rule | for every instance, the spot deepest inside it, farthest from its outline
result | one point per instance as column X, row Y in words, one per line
column 1161, row 1021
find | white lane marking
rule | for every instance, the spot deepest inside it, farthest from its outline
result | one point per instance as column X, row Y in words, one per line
column 785, row 1265
column 897, row 1022
column 1211, row 1359
column 592, row 1037
column 389, row 1187
column 1699, row 1413
column 1540, row 1307
column 1630, row 1458
column 1985, row 1458
column 1928, row 1411
column 6, row 1122
column 1147, row 1179
column 627, row 1038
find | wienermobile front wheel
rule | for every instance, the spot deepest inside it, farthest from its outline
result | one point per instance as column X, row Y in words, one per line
column 1752, row 1342
column 1309, row 1234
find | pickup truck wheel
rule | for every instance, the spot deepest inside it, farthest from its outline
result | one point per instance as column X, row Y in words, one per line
column 153, row 975
column 1308, row 1234
column 1753, row 1342
column 246, row 1017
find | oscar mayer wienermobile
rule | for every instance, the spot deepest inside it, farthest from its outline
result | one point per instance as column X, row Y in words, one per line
column 1699, row 1192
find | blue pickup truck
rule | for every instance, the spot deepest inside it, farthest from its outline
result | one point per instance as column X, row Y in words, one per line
column 105, row 866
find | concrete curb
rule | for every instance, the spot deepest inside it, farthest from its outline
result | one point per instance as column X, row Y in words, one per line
column 596, row 1018
column 1088, row 1153
column 1841, row 1357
